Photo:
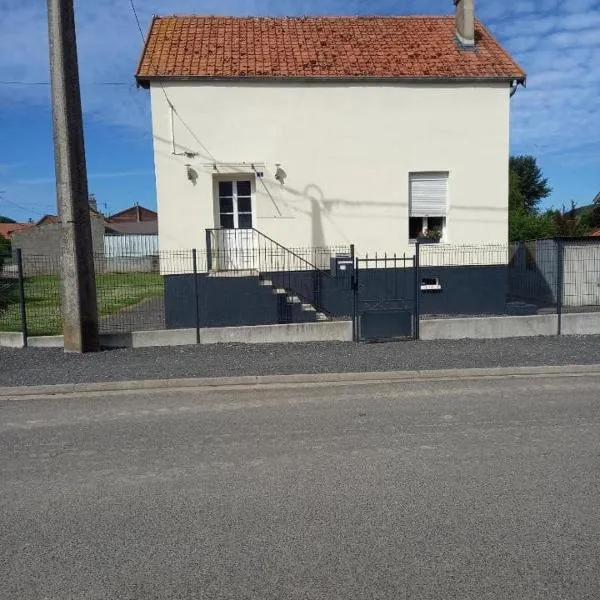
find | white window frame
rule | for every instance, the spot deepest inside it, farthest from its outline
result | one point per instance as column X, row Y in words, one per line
column 425, row 219
column 234, row 180
column 425, row 227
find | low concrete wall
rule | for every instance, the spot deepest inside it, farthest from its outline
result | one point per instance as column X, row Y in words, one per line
column 435, row 329
column 166, row 337
column 581, row 324
column 333, row 331
column 258, row 334
column 11, row 340
column 46, row 341
column 488, row 327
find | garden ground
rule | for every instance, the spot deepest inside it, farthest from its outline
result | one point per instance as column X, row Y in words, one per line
column 115, row 291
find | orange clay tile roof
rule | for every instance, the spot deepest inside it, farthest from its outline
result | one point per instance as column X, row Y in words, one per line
column 7, row 229
column 319, row 47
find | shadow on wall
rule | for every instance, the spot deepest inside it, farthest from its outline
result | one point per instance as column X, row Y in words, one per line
column 321, row 210
column 533, row 271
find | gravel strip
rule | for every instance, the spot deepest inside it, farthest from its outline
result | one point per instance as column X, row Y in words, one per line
column 34, row 366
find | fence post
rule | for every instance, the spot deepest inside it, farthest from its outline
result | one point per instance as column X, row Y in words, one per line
column 417, row 268
column 560, row 275
column 354, row 288
column 196, row 294
column 22, row 297
column 208, row 251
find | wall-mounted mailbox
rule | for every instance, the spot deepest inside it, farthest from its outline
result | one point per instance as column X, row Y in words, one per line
column 342, row 265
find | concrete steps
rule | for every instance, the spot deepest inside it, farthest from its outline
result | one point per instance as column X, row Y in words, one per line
column 297, row 310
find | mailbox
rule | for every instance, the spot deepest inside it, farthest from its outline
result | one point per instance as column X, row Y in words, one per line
column 342, row 265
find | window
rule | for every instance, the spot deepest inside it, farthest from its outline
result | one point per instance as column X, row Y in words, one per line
column 428, row 203
column 235, row 204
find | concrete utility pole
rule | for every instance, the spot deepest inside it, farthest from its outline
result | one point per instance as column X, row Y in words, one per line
column 78, row 280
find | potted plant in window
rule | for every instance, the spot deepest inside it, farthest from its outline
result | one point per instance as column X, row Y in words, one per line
column 430, row 236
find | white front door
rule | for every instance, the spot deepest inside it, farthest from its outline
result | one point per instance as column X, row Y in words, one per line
column 236, row 247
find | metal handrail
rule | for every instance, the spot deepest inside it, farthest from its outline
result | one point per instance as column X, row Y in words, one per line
column 301, row 260
column 292, row 253
column 273, row 261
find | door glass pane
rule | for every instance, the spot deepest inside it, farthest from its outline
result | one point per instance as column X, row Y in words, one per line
column 226, row 205
column 245, row 205
column 225, row 188
column 245, row 221
column 226, row 221
column 243, row 188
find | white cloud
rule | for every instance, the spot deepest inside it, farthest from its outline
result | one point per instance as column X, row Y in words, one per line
column 556, row 41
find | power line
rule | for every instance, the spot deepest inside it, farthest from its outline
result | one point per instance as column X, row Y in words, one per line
column 48, row 83
column 20, row 207
column 137, row 20
column 171, row 105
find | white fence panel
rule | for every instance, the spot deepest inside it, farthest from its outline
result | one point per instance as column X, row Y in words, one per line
column 130, row 245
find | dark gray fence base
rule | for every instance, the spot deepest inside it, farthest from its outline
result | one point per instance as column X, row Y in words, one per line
column 234, row 301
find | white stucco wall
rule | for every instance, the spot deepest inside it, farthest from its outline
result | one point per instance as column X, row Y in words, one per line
column 347, row 149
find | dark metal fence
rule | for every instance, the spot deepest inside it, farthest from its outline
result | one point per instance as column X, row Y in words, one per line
column 386, row 300
column 131, row 289
column 538, row 277
column 251, row 250
column 302, row 275
column 11, row 306
column 462, row 255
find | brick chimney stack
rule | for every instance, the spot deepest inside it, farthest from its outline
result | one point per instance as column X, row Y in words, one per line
column 465, row 22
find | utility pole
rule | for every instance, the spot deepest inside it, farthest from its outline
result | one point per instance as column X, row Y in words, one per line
column 78, row 279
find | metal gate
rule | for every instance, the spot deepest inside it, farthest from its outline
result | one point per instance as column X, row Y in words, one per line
column 385, row 299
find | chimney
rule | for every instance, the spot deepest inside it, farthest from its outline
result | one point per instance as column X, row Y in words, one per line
column 465, row 22
column 93, row 202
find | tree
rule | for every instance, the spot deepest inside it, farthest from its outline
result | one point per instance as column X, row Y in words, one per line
column 523, row 223
column 594, row 214
column 526, row 225
column 6, row 220
column 4, row 252
column 532, row 185
column 515, row 195
column 569, row 223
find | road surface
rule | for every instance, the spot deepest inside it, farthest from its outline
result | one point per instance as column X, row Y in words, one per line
column 467, row 488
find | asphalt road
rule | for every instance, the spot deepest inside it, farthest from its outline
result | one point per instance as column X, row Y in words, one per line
column 480, row 488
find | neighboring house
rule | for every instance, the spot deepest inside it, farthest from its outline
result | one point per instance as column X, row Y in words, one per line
column 8, row 229
column 327, row 131
column 133, row 232
column 126, row 241
column 40, row 243
column 595, row 233
column 134, row 214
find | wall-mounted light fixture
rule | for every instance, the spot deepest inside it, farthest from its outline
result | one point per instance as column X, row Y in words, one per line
column 280, row 174
column 192, row 174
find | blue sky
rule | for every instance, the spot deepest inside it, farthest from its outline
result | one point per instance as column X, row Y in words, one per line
column 557, row 118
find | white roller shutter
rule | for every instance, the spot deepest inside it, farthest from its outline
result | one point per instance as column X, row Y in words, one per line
column 428, row 194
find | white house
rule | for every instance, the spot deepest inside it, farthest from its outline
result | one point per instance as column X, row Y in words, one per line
column 379, row 127
column 328, row 131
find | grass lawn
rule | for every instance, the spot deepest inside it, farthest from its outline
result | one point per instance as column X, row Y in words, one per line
column 115, row 292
